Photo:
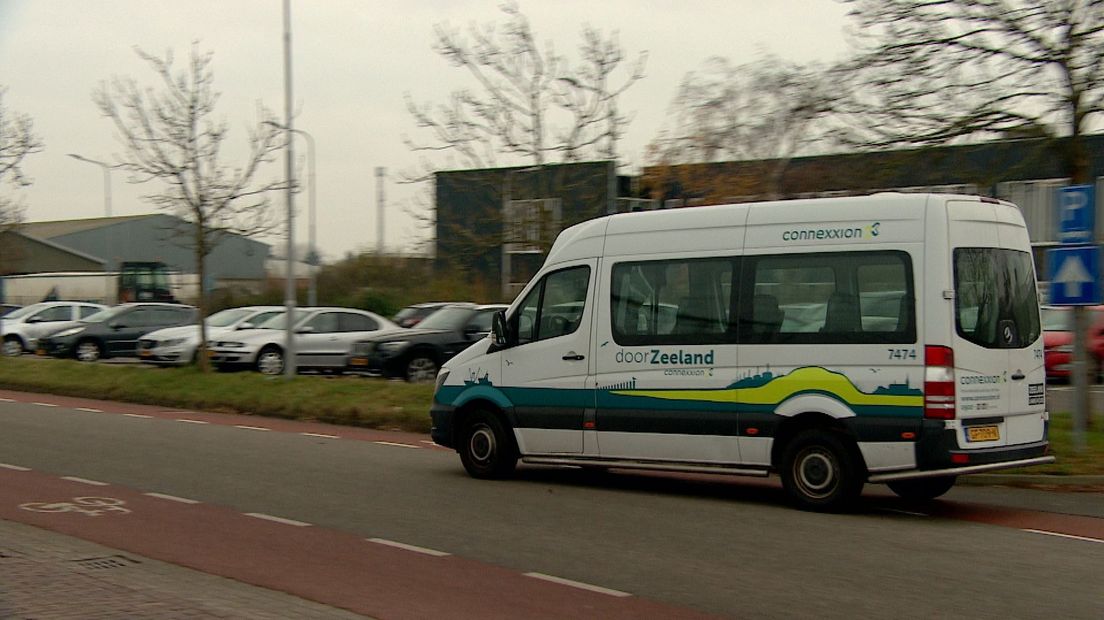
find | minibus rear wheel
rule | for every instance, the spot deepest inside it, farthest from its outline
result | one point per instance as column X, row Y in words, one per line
column 922, row 488
column 486, row 450
column 819, row 472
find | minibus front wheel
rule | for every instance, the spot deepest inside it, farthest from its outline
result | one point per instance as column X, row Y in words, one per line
column 819, row 472
column 486, row 449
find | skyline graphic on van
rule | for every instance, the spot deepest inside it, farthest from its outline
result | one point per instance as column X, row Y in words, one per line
column 768, row 389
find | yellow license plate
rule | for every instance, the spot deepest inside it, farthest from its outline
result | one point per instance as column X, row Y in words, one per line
column 358, row 361
column 982, row 433
column 144, row 353
column 40, row 352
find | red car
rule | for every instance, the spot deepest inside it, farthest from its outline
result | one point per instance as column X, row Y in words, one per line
column 1058, row 341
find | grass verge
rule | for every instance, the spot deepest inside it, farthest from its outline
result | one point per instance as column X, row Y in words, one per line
column 354, row 401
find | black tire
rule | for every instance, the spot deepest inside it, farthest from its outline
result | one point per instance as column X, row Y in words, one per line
column 270, row 361
column 486, row 449
column 88, row 351
column 922, row 489
column 421, row 368
column 13, row 346
column 820, row 472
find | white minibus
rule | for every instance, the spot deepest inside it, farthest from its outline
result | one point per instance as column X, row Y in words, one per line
column 888, row 338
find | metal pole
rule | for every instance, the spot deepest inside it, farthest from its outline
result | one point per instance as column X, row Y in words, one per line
column 289, row 289
column 380, row 172
column 312, row 291
column 108, row 245
column 1080, row 379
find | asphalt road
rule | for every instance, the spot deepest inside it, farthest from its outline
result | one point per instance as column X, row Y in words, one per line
column 726, row 546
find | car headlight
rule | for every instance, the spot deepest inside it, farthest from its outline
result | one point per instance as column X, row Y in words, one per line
column 441, row 377
column 172, row 342
column 72, row 331
column 393, row 346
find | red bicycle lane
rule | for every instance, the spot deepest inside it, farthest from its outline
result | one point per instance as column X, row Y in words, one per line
column 378, row 578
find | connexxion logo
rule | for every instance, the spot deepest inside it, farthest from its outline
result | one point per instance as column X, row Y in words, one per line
column 820, row 234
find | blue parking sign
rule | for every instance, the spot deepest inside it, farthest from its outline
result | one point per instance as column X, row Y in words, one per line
column 1076, row 214
column 1074, row 275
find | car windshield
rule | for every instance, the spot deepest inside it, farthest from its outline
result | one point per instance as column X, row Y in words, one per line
column 278, row 322
column 447, row 318
column 226, row 318
column 1056, row 319
column 24, row 311
column 104, row 315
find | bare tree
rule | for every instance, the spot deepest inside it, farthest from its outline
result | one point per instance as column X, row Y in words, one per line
column 939, row 71
column 170, row 137
column 529, row 104
column 17, row 141
column 769, row 109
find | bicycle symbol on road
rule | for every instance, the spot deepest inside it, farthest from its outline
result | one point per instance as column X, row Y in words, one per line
column 90, row 506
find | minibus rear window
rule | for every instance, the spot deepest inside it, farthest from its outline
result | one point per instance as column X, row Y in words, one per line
column 996, row 305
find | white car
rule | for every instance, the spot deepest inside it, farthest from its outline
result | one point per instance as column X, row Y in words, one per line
column 177, row 346
column 323, row 338
column 23, row 327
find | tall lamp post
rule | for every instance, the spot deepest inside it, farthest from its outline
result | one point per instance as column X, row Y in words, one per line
column 107, row 210
column 312, row 252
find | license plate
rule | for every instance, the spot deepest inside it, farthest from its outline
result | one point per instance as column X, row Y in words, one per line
column 144, row 353
column 40, row 352
column 358, row 361
column 982, row 433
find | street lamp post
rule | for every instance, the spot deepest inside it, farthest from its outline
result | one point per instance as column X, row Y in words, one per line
column 312, row 252
column 107, row 211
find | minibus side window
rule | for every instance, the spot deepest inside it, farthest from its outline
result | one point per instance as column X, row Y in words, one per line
column 682, row 301
column 554, row 307
column 828, row 298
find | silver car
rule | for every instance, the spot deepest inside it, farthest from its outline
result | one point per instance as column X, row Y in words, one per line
column 23, row 327
column 322, row 340
column 177, row 346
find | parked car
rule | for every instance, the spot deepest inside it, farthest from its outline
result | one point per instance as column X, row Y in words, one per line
column 176, row 346
column 113, row 332
column 323, row 337
column 414, row 314
column 23, row 327
column 415, row 354
column 1058, row 341
column 5, row 309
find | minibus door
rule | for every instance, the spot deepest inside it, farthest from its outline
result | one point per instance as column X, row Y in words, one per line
column 545, row 373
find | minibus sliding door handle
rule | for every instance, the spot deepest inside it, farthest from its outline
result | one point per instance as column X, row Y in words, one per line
column 573, row 357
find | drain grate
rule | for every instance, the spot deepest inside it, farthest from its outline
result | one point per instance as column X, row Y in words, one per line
column 110, row 561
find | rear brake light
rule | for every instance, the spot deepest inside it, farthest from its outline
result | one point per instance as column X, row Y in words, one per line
column 939, row 388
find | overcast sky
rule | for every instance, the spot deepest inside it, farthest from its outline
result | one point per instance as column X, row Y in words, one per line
column 353, row 61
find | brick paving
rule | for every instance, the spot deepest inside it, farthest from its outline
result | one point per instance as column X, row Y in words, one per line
column 48, row 576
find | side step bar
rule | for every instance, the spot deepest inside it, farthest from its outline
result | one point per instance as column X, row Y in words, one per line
column 958, row 471
column 693, row 468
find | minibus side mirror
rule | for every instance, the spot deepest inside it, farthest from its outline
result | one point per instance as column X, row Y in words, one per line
column 499, row 330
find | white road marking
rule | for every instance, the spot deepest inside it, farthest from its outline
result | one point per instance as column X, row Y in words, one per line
column 89, row 410
column 137, row 415
column 906, row 512
column 95, row 483
column 1070, row 536
column 252, row 428
column 192, row 421
column 6, row 400
column 397, row 445
column 14, row 467
column 261, row 515
column 399, row 545
column 173, row 498
column 323, row 435
column 578, row 584
column 45, row 404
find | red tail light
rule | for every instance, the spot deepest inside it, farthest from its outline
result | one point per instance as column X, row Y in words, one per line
column 939, row 387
